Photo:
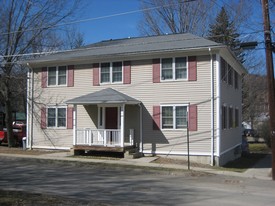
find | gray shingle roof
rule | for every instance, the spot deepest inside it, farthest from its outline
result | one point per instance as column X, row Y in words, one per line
column 128, row 46
column 108, row 95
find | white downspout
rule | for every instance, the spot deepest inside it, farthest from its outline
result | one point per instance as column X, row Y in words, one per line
column 141, row 128
column 122, row 118
column 32, row 111
column 212, row 109
column 28, row 107
column 74, row 124
column 218, row 105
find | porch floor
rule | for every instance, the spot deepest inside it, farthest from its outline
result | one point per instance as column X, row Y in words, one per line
column 101, row 148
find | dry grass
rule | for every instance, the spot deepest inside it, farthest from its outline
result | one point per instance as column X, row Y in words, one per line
column 18, row 150
column 19, row 198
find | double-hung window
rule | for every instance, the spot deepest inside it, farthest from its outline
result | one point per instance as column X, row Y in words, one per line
column 111, row 72
column 57, row 76
column 173, row 68
column 174, row 117
column 56, row 117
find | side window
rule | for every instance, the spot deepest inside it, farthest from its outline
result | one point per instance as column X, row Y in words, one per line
column 56, row 117
column 51, row 76
column 111, row 72
column 174, row 68
column 230, row 117
column 174, row 117
column 57, row 75
column 237, row 117
column 224, row 117
column 223, row 70
column 236, row 80
column 105, row 72
column 181, row 68
column 167, row 69
column 117, row 72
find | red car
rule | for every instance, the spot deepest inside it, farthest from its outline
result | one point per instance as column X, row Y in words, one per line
column 19, row 131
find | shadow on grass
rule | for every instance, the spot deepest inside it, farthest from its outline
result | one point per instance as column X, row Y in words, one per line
column 243, row 163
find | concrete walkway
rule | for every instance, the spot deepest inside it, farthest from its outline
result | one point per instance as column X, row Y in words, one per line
column 262, row 170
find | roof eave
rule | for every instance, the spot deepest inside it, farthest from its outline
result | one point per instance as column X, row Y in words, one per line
column 91, row 58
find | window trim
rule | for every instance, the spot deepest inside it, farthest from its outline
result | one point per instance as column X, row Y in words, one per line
column 56, row 116
column 56, row 76
column 174, row 69
column 111, row 73
column 174, row 116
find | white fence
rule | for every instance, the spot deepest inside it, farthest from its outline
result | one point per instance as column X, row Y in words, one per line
column 101, row 137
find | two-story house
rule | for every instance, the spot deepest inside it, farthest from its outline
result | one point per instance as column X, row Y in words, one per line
column 150, row 93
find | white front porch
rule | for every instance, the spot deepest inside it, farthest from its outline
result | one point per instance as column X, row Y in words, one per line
column 103, row 137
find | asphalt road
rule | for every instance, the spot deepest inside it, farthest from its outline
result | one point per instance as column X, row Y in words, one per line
column 128, row 186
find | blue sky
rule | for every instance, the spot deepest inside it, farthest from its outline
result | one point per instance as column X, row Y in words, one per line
column 113, row 27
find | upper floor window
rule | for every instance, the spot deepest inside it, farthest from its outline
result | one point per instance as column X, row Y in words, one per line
column 57, row 75
column 111, row 72
column 173, row 68
column 56, row 117
column 174, row 117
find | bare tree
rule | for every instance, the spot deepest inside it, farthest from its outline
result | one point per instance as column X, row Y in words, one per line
column 26, row 26
column 175, row 16
column 73, row 38
column 255, row 102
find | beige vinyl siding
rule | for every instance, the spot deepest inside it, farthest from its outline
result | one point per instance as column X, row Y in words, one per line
column 231, row 97
column 52, row 137
column 177, row 92
column 150, row 94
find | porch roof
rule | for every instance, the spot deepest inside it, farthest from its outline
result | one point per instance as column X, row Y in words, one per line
column 105, row 96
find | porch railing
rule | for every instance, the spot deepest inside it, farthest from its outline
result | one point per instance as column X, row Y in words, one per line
column 101, row 137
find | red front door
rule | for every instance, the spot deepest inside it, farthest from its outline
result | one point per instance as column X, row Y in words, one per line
column 111, row 118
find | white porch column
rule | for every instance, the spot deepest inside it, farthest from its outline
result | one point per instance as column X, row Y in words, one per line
column 74, row 124
column 122, row 118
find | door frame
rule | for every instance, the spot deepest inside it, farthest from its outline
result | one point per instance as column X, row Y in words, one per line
column 102, row 116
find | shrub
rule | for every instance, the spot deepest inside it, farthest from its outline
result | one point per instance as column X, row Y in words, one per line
column 264, row 132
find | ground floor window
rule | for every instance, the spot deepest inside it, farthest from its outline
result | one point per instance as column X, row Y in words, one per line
column 174, row 116
column 56, row 116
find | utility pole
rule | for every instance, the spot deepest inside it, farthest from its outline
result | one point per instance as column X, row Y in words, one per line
column 270, row 80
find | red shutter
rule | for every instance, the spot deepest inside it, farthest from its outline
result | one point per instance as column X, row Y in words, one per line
column 96, row 74
column 70, row 117
column 70, row 75
column 156, row 117
column 127, row 72
column 192, row 68
column 193, row 118
column 156, row 70
column 44, row 77
column 43, row 118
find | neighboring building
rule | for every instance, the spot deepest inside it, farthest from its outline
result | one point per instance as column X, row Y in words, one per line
column 141, row 93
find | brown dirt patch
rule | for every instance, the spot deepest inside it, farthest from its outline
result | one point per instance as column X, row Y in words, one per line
column 166, row 160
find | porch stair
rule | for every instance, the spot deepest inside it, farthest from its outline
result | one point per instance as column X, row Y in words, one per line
column 132, row 153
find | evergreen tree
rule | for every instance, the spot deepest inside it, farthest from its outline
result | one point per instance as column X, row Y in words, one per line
column 224, row 31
